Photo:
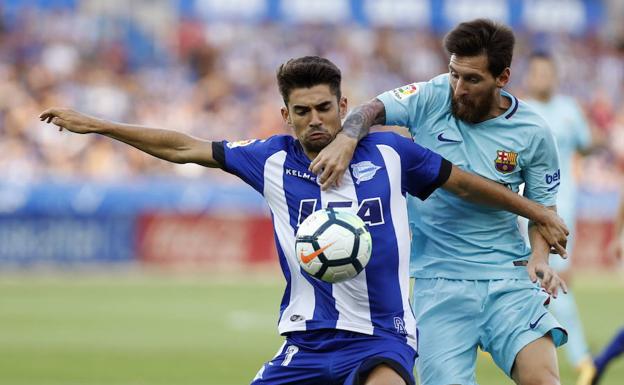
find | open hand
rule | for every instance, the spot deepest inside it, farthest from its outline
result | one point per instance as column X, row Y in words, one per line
column 69, row 119
column 550, row 281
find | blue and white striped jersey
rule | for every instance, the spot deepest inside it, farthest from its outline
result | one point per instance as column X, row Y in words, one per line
column 384, row 168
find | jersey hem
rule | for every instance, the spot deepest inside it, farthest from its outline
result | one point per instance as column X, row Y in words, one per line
column 409, row 339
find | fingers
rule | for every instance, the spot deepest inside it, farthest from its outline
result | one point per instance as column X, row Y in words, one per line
column 317, row 165
column 333, row 179
column 557, row 248
column 532, row 274
column 564, row 286
column 46, row 114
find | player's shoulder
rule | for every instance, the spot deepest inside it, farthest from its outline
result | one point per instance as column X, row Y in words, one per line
column 400, row 144
column 388, row 138
column 529, row 119
column 441, row 80
column 436, row 87
column 275, row 141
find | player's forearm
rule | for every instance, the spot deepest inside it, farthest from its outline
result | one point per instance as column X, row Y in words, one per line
column 362, row 118
column 480, row 190
column 540, row 250
column 164, row 144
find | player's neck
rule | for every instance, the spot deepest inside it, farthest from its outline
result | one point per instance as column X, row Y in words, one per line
column 309, row 153
column 500, row 106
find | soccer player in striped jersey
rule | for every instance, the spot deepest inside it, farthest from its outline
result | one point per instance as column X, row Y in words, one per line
column 361, row 331
column 473, row 270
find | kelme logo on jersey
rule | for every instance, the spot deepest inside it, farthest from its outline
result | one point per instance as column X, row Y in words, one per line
column 240, row 143
column 405, row 91
column 364, row 171
column 506, row 161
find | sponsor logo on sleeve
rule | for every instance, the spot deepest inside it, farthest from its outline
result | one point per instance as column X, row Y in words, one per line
column 553, row 179
column 405, row 91
column 506, row 161
column 240, row 143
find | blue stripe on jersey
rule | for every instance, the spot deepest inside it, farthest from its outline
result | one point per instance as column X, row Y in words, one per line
column 388, row 301
column 298, row 188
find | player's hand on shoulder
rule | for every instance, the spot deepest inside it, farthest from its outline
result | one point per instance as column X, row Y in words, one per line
column 331, row 163
column 555, row 232
column 66, row 118
column 549, row 280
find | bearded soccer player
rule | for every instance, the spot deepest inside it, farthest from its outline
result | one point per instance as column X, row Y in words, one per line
column 360, row 331
column 475, row 277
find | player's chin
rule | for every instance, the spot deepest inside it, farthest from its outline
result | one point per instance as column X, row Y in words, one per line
column 318, row 142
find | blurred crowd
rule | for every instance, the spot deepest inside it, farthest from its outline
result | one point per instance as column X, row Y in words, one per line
column 217, row 80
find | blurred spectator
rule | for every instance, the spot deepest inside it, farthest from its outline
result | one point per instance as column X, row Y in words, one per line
column 200, row 77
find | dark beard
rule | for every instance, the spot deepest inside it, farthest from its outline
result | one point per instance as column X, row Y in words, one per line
column 472, row 112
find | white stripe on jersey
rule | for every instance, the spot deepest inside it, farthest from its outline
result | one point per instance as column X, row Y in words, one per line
column 302, row 299
column 351, row 296
column 400, row 222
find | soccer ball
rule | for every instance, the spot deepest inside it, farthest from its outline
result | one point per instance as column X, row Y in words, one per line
column 333, row 245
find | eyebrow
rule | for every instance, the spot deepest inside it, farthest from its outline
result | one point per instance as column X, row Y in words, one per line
column 451, row 68
column 322, row 104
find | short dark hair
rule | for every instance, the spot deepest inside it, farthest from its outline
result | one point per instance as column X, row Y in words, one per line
column 307, row 72
column 483, row 36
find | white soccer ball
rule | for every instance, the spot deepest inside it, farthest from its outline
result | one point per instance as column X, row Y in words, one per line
column 333, row 245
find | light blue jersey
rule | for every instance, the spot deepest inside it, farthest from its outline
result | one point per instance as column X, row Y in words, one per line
column 571, row 132
column 455, row 239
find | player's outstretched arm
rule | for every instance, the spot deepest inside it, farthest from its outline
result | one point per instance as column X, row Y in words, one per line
column 483, row 191
column 169, row 145
column 331, row 163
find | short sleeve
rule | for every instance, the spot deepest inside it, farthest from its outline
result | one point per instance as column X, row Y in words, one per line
column 412, row 105
column 424, row 170
column 244, row 159
column 541, row 170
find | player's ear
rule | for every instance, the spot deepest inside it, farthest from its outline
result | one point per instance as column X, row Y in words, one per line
column 503, row 78
column 342, row 105
column 286, row 116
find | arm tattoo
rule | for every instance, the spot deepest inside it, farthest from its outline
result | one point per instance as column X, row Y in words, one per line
column 363, row 117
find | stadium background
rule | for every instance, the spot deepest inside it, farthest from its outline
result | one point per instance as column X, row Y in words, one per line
column 119, row 268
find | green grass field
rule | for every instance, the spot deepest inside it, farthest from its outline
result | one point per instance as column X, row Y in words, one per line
column 132, row 330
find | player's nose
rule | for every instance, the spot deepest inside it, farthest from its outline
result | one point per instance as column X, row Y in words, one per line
column 315, row 120
column 460, row 88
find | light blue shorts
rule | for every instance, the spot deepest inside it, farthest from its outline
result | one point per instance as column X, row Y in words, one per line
column 455, row 317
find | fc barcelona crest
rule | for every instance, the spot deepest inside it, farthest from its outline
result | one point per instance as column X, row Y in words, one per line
column 506, row 161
